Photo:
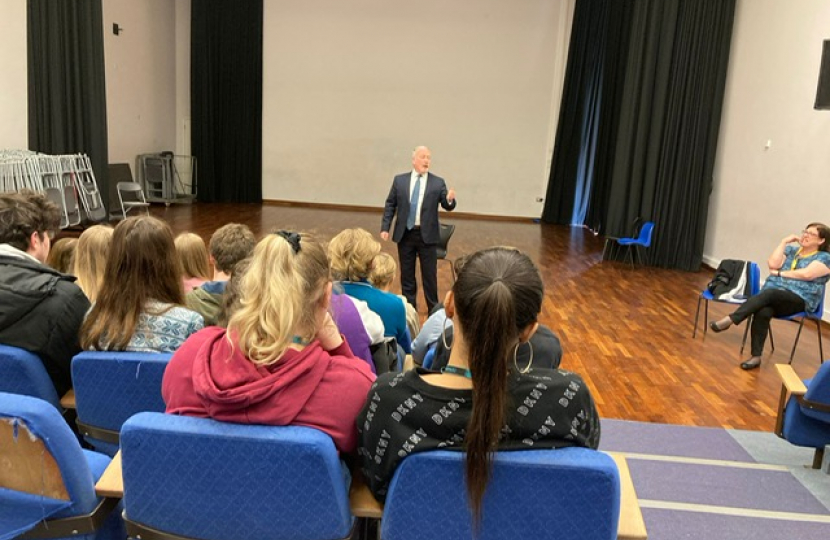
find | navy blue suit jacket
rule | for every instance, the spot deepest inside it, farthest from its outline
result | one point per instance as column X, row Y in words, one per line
column 398, row 203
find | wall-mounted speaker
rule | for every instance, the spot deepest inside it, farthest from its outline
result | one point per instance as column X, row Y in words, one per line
column 823, row 92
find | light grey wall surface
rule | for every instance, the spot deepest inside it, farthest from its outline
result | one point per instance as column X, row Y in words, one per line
column 13, row 83
column 764, row 193
column 141, row 77
column 351, row 87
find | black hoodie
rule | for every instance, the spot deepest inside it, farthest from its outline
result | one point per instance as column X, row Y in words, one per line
column 41, row 311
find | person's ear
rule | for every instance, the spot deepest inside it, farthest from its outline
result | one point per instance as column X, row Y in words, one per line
column 449, row 305
column 528, row 332
column 326, row 299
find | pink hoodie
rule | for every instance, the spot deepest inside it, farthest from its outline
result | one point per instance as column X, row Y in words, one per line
column 207, row 377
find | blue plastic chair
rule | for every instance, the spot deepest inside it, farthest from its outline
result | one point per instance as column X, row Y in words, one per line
column 801, row 317
column 22, row 372
column 110, row 387
column 805, row 420
column 52, row 491
column 643, row 240
column 539, row 494
column 706, row 296
column 199, row 478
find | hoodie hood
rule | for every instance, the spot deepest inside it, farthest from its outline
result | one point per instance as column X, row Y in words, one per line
column 234, row 389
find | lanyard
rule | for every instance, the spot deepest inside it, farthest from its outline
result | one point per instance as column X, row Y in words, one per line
column 798, row 258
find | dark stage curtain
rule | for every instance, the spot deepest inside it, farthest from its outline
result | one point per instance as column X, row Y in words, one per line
column 226, row 98
column 665, row 121
column 67, row 106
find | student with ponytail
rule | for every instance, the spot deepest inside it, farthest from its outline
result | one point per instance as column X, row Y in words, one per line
column 482, row 401
column 282, row 360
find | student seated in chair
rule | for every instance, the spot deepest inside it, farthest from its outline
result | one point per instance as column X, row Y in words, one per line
column 42, row 309
column 281, row 361
column 480, row 402
column 229, row 244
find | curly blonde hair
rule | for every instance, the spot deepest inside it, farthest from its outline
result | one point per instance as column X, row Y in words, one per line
column 383, row 270
column 352, row 252
column 280, row 296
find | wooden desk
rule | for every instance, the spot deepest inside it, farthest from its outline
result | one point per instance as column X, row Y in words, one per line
column 68, row 400
column 363, row 503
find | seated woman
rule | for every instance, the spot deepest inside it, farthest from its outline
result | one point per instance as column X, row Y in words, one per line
column 352, row 252
column 381, row 277
column 796, row 283
column 480, row 402
column 193, row 254
column 91, row 259
column 281, row 360
column 139, row 306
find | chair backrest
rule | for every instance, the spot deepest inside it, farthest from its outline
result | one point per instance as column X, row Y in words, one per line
column 819, row 391
column 200, row 478
column 819, row 312
column 754, row 278
column 43, row 470
column 22, row 372
column 540, row 494
column 445, row 234
column 645, row 234
column 110, row 387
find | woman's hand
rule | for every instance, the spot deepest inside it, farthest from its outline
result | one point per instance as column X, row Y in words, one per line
column 328, row 334
column 790, row 239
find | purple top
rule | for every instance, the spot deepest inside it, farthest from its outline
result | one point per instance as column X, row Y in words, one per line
column 348, row 320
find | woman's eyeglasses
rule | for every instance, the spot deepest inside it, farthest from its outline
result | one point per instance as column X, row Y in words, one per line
column 809, row 233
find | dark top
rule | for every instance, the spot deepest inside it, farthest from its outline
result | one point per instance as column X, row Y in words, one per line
column 404, row 414
column 42, row 311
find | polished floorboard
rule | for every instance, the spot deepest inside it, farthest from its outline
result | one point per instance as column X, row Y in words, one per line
column 627, row 332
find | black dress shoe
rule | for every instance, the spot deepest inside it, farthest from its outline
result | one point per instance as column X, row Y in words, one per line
column 715, row 328
column 752, row 363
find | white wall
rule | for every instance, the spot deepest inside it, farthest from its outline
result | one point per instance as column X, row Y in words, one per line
column 141, row 77
column 13, row 84
column 763, row 194
column 351, row 87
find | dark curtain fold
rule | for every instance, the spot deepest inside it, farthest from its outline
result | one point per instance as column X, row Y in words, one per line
column 226, row 98
column 67, row 102
column 656, row 138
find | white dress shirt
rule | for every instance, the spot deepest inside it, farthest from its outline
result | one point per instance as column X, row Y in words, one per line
column 423, row 189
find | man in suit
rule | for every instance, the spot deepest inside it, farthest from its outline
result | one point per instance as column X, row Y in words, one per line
column 415, row 197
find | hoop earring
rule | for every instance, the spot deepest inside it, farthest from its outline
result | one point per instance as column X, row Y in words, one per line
column 444, row 335
column 529, row 362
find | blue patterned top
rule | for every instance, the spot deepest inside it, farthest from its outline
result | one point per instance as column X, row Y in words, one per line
column 810, row 291
column 163, row 328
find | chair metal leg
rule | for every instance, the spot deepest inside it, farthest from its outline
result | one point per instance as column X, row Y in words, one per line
column 820, row 346
column 771, row 339
column 705, row 316
column 629, row 255
column 818, row 457
column 748, row 323
column 797, row 336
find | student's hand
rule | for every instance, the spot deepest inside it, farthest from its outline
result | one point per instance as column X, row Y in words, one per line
column 328, row 334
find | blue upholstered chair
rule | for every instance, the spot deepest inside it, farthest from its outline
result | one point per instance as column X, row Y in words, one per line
column 804, row 418
column 540, row 494
column 47, row 482
column 199, row 478
column 633, row 245
column 110, row 387
column 706, row 297
column 22, row 372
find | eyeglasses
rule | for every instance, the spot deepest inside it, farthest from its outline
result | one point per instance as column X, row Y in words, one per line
column 810, row 233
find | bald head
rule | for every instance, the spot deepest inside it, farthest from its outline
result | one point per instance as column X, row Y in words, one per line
column 420, row 159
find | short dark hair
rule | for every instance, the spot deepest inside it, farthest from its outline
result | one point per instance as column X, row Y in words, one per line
column 24, row 213
column 230, row 244
column 823, row 233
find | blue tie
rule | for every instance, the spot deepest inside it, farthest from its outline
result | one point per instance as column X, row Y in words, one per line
column 413, row 203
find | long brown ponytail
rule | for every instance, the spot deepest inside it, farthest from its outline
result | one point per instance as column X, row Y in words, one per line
column 498, row 293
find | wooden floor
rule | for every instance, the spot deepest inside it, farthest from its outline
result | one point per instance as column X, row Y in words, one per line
column 627, row 332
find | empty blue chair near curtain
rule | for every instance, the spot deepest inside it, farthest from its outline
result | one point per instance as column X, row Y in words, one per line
column 110, row 387
column 754, row 277
column 22, row 372
column 805, row 419
column 540, row 494
column 801, row 316
column 634, row 246
column 199, row 478
column 47, row 482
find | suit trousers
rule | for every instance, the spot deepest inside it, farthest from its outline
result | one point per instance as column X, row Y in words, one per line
column 410, row 248
column 763, row 307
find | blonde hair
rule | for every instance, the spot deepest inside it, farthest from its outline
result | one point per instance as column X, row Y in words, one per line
column 62, row 255
column 193, row 254
column 279, row 296
column 352, row 252
column 91, row 259
column 383, row 270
